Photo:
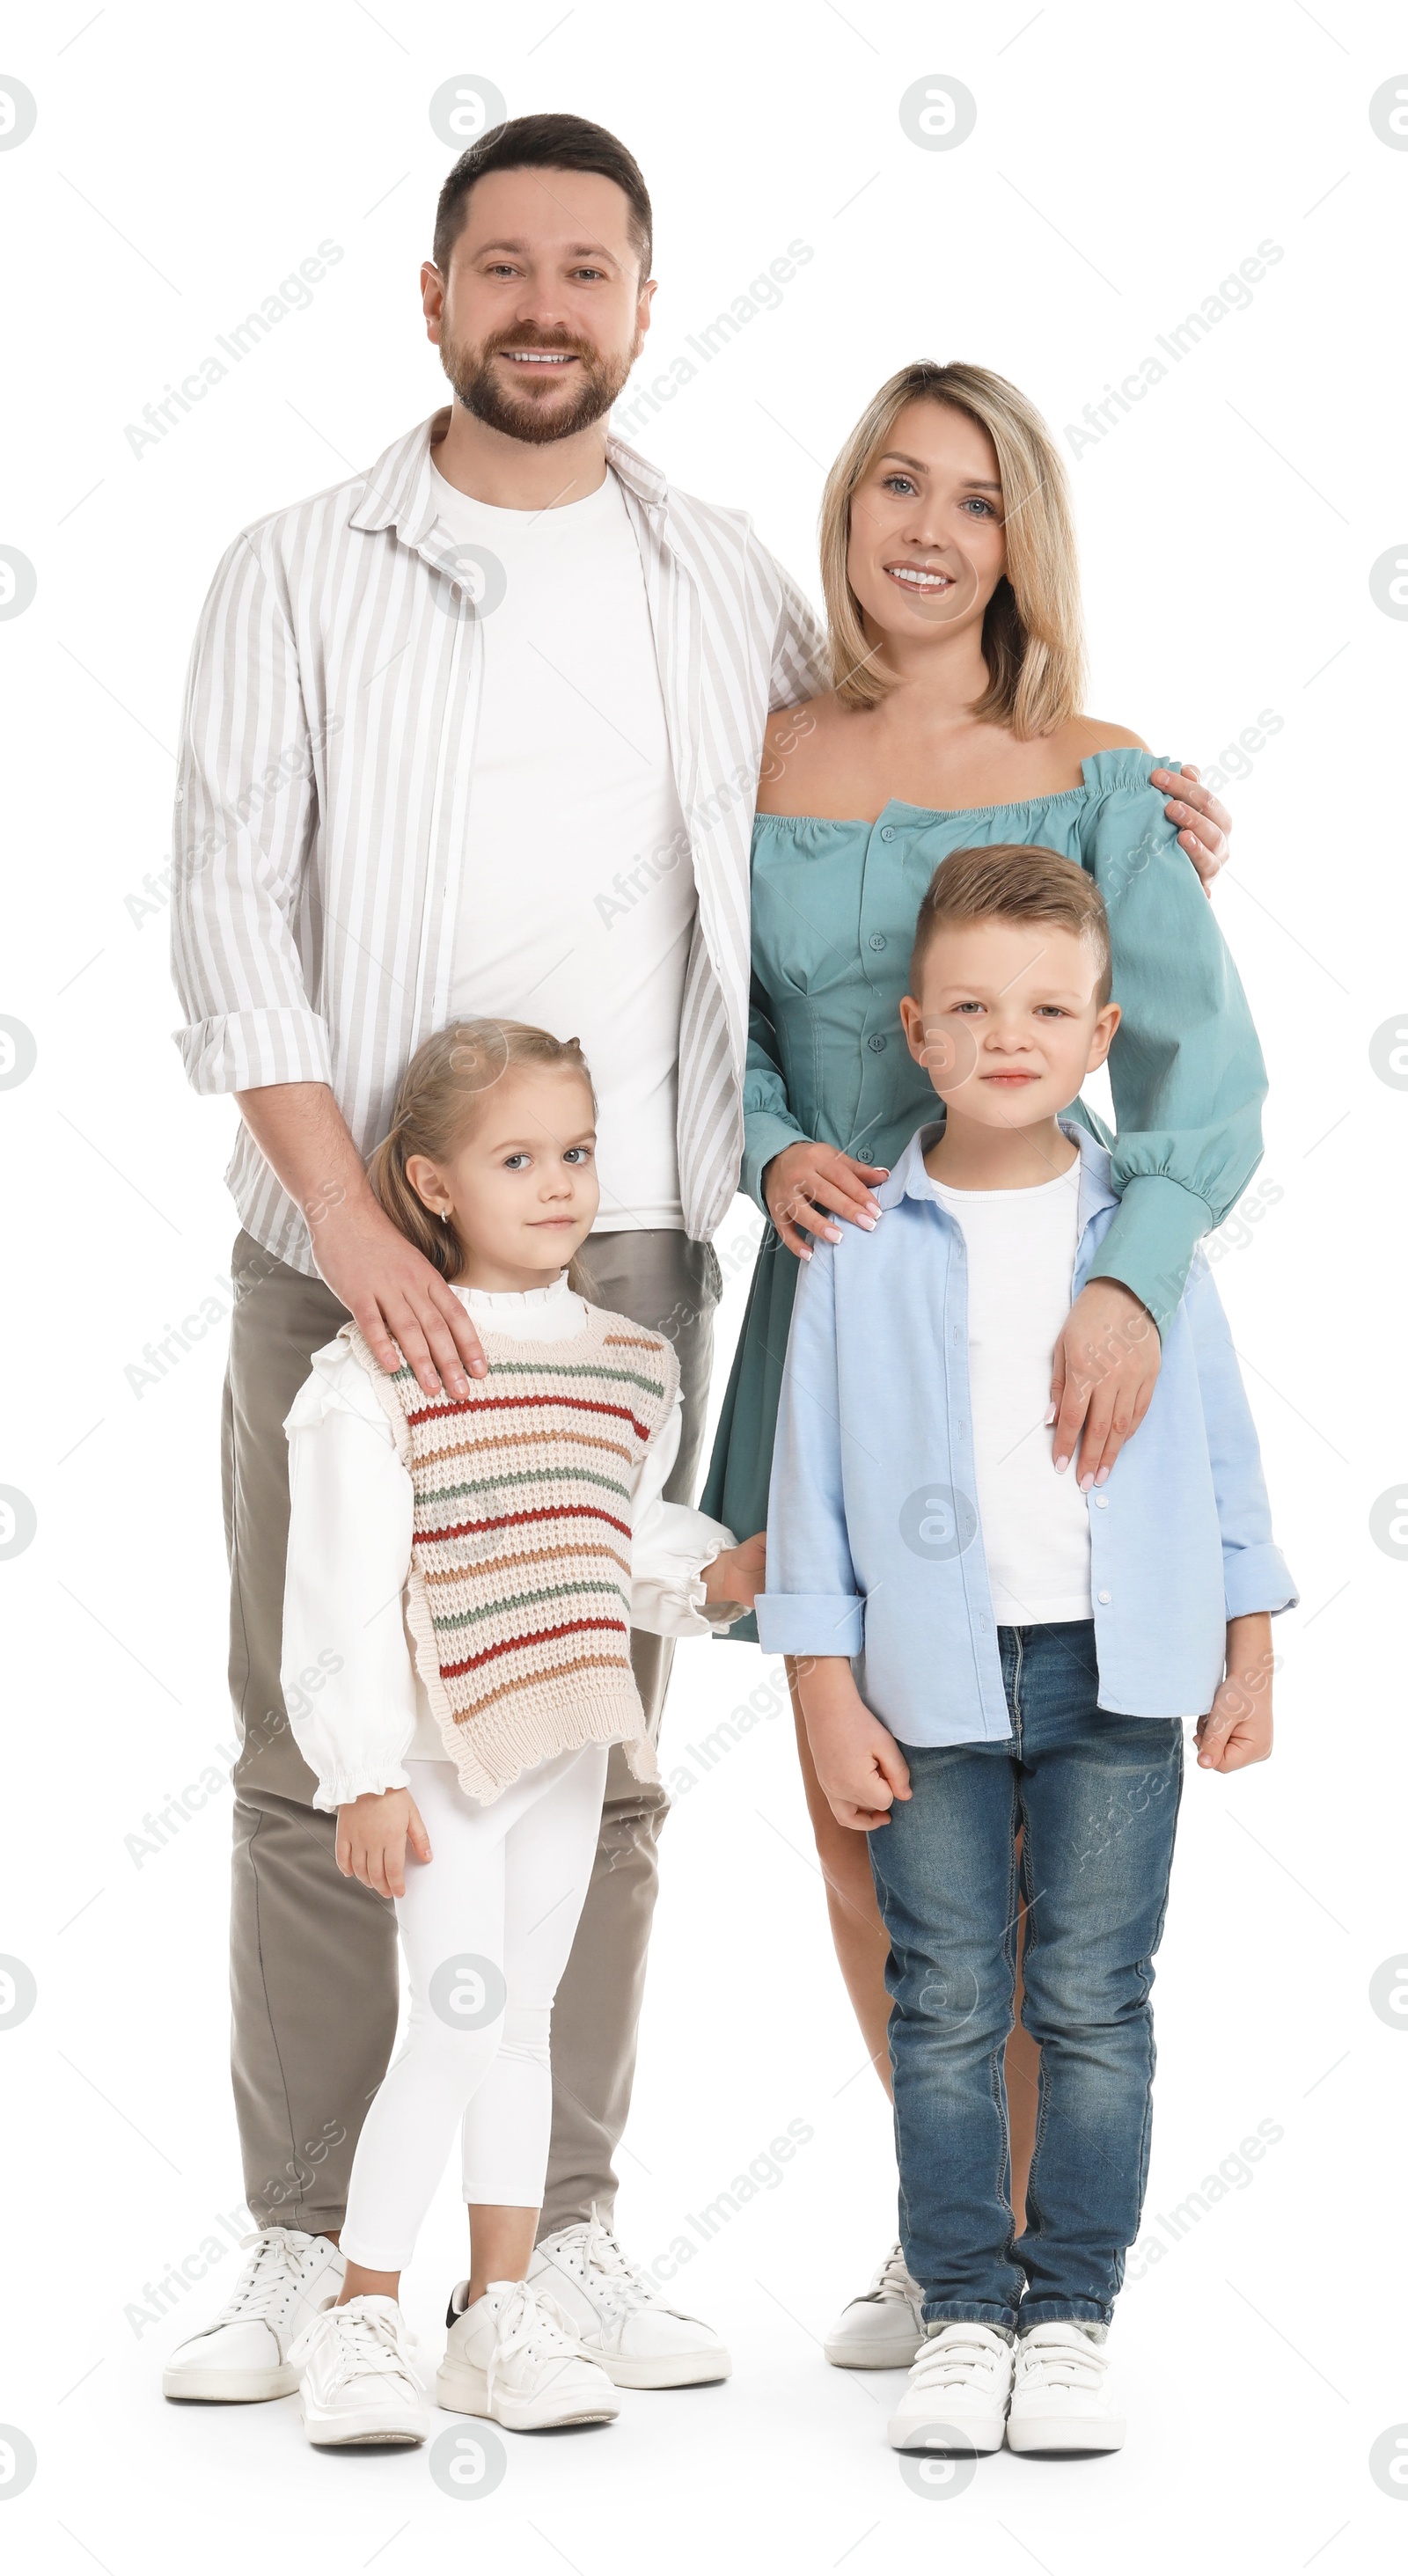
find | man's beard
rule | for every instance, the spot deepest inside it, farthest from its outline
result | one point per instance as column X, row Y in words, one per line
column 470, row 371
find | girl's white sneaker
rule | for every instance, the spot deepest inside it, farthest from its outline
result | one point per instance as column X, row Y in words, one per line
column 1059, row 2398
column 359, row 2382
column 884, row 2328
column 955, row 2398
column 243, row 2355
column 514, row 2356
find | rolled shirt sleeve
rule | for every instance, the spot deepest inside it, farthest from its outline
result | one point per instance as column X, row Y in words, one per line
column 812, row 1605
column 349, row 1553
column 1186, row 1070
column 246, row 811
column 1255, row 1573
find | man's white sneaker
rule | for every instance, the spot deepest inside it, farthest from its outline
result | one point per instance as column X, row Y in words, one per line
column 359, row 2382
column 1059, row 2398
column 515, row 2356
column 244, row 2354
column 618, row 2315
column 883, row 2329
column 956, row 2396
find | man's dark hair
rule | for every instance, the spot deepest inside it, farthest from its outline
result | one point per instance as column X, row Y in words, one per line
column 543, row 143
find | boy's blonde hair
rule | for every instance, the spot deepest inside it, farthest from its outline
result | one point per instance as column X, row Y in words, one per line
column 441, row 1094
column 1032, row 636
column 1014, row 881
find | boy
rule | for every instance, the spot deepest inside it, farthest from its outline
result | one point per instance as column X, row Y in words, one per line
column 1030, row 1641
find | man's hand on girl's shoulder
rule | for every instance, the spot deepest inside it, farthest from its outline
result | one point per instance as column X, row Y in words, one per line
column 372, row 1834
column 1238, row 1728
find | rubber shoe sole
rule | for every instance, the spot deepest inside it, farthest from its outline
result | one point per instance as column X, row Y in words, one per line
column 336, row 2432
column 230, row 2387
column 982, row 2434
column 899, row 2353
column 463, row 2390
column 1055, row 2433
column 670, row 2370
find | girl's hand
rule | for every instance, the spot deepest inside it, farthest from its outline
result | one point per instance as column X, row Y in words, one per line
column 738, row 1573
column 1237, row 1729
column 1103, row 1374
column 806, row 1180
column 858, row 1763
column 372, row 1834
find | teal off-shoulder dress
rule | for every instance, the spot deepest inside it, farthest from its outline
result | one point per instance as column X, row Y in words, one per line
column 834, row 908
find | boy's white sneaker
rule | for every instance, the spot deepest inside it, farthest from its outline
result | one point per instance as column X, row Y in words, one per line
column 956, row 2395
column 243, row 2355
column 359, row 2382
column 1059, row 2398
column 515, row 2356
column 618, row 2316
column 884, row 2328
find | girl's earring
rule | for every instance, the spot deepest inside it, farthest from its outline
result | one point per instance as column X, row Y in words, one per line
column 444, row 1216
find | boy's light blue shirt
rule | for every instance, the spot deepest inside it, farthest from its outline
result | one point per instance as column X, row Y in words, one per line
column 874, row 1546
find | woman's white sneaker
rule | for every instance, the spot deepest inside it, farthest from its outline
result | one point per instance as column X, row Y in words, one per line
column 618, row 2315
column 956, row 2395
column 243, row 2355
column 1059, row 2398
column 515, row 2356
column 884, row 2328
column 359, row 2382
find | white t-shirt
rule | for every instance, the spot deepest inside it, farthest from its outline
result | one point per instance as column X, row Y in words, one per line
column 1035, row 1524
column 573, row 790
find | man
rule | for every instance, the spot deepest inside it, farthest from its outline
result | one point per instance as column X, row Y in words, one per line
column 477, row 731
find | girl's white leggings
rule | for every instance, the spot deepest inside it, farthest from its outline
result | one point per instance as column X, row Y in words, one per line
column 487, row 1924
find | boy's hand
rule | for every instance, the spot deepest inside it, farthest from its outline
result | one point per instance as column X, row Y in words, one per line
column 860, row 1766
column 1103, row 1374
column 1237, row 1729
column 738, row 1573
column 372, row 1835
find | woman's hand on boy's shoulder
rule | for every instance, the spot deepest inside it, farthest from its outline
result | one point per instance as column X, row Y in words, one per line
column 372, row 1834
column 1238, row 1727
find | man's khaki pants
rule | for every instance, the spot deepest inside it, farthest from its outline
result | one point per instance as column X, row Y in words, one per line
column 313, row 1968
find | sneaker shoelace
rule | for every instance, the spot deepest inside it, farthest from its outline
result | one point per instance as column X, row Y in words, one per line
column 362, row 2346
column 529, row 2323
column 954, row 2359
column 608, row 2273
column 1077, row 2364
column 270, row 2277
column 892, row 2282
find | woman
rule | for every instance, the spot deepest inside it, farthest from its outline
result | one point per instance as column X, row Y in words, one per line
column 952, row 591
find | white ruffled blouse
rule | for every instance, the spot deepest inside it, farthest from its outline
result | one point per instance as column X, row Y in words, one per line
column 356, row 1704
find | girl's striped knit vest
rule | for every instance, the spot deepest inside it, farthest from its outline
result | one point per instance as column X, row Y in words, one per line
column 520, row 1590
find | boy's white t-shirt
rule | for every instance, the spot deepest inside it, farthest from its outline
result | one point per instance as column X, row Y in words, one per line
column 1035, row 1525
column 579, row 903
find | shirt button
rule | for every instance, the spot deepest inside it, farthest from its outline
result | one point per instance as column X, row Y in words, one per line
column 1101, row 1502
column 878, row 939
column 887, row 832
column 877, row 1046
column 1102, row 1596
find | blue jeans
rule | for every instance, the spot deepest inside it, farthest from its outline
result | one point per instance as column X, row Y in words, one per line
column 1097, row 1800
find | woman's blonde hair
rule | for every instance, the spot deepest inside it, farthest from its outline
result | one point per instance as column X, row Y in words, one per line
column 1032, row 637
column 442, row 1092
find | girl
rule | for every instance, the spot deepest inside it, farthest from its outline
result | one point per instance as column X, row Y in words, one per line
column 953, row 599
column 466, row 1573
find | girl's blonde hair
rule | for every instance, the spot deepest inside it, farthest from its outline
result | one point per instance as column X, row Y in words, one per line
column 442, row 1092
column 1032, row 637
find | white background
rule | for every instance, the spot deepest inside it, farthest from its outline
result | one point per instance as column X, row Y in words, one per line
column 1123, row 162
